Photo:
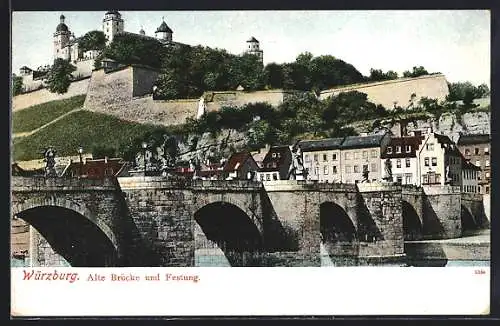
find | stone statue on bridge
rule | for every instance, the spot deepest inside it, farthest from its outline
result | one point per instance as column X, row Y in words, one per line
column 388, row 170
column 447, row 174
column 297, row 171
column 50, row 162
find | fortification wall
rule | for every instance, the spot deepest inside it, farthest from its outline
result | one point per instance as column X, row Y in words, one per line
column 84, row 68
column 216, row 100
column 22, row 101
column 397, row 91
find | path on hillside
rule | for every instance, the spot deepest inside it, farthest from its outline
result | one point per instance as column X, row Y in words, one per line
column 29, row 133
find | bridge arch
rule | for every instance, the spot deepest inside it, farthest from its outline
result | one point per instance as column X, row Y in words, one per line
column 335, row 224
column 232, row 230
column 467, row 220
column 412, row 225
column 53, row 215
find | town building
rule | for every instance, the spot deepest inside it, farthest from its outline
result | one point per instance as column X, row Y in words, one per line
column 476, row 149
column 440, row 161
column 260, row 154
column 240, row 166
column 276, row 165
column 402, row 153
column 253, row 47
column 470, row 173
column 322, row 159
column 361, row 153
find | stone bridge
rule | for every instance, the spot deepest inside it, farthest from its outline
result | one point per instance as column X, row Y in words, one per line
column 152, row 221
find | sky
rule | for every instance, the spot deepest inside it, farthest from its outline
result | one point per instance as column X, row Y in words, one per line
column 453, row 42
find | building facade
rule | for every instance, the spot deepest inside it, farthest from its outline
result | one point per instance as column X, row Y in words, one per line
column 240, row 166
column 470, row 182
column 322, row 159
column 276, row 165
column 402, row 153
column 476, row 149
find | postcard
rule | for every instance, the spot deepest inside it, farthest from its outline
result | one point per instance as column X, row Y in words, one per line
column 338, row 160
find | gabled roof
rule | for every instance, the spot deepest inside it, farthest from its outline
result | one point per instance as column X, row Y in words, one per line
column 467, row 165
column 413, row 141
column 321, row 144
column 253, row 39
column 474, row 139
column 163, row 28
column 237, row 160
column 446, row 143
column 362, row 141
column 276, row 157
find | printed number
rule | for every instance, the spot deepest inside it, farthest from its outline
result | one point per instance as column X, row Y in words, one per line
column 479, row 271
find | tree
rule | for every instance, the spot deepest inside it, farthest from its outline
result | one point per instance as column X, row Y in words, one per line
column 379, row 75
column 130, row 49
column 17, row 85
column 458, row 91
column 93, row 40
column 273, row 75
column 416, row 72
column 59, row 76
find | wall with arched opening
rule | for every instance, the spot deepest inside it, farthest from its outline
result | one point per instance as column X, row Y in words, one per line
column 338, row 233
column 224, row 228
column 412, row 225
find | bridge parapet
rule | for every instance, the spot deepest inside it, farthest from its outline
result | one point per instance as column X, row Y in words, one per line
column 412, row 190
column 307, row 185
column 438, row 190
column 378, row 186
column 42, row 184
column 225, row 185
column 471, row 196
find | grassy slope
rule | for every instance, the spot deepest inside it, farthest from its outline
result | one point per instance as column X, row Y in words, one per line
column 36, row 116
column 86, row 128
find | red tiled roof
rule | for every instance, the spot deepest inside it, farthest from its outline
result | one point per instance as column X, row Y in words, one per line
column 232, row 163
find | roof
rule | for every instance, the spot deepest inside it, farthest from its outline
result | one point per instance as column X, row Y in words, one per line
column 362, row 141
column 413, row 141
column 113, row 12
column 253, row 39
column 322, row 144
column 446, row 143
column 25, row 68
column 466, row 164
column 474, row 139
column 275, row 158
column 240, row 157
column 62, row 27
column 163, row 28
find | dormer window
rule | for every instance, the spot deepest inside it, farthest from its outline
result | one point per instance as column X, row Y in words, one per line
column 389, row 150
column 398, row 149
column 408, row 148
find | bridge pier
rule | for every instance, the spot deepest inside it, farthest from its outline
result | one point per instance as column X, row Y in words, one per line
column 442, row 212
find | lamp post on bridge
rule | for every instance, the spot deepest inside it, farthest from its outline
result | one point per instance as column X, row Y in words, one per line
column 80, row 152
column 144, row 147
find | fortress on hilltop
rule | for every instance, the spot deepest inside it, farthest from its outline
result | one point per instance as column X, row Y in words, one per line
column 68, row 47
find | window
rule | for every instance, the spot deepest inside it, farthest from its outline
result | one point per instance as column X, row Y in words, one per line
column 398, row 164
column 347, row 156
column 408, row 179
column 373, row 167
column 389, row 150
column 478, row 163
column 315, row 157
column 316, row 170
column 467, row 152
column 434, row 161
column 486, row 151
column 334, row 169
column 274, row 155
column 334, row 157
column 398, row 149
column 356, row 169
column 407, row 162
column 325, row 158
column 479, row 176
column 476, row 151
column 399, row 179
column 325, row 169
column 275, row 176
column 408, row 148
column 430, row 147
column 487, row 163
column 425, row 179
column 479, row 189
column 261, row 177
column 373, row 153
column 348, row 169
column 486, row 174
column 268, row 177
column 365, row 167
column 307, row 158
column 487, row 189
column 426, row 161
column 356, row 155
column 365, row 155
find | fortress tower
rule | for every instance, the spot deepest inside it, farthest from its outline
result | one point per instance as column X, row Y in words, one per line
column 61, row 40
column 163, row 32
column 112, row 24
column 253, row 47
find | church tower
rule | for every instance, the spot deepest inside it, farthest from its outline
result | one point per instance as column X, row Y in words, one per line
column 163, row 32
column 253, row 47
column 112, row 24
column 61, row 40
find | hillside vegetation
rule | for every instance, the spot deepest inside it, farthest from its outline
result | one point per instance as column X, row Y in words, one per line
column 36, row 116
column 93, row 131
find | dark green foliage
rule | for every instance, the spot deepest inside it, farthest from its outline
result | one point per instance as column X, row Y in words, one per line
column 17, row 85
column 379, row 75
column 459, row 91
column 36, row 116
column 59, row 76
column 101, row 151
column 416, row 72
column 93, row 40
column 133, row 49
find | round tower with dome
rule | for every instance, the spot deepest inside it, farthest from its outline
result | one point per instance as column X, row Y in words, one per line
column 163, row 32
column 62, row 37
column 112, row 24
